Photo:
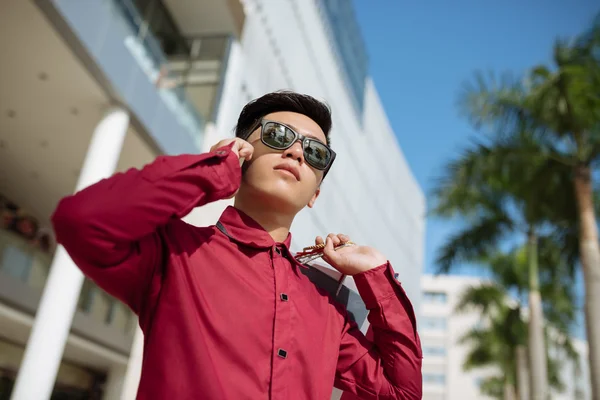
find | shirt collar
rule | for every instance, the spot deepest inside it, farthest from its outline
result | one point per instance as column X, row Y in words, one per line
column 243, row 229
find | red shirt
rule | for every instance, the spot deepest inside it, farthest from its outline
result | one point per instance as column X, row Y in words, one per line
column 231, row 317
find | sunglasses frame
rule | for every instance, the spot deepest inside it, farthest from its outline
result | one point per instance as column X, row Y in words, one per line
column 298, row 137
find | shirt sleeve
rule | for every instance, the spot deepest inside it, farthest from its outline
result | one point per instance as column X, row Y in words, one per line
column 111, row 229
column 388, row 365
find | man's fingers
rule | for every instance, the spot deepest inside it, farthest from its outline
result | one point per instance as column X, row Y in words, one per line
column 329, row 250
column 319, row 240
column 245, row 154
column 343, row 238
column 240, row 148
column 245, row 149
column 336, row 240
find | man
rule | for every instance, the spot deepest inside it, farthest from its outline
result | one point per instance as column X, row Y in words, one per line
column 226, row 311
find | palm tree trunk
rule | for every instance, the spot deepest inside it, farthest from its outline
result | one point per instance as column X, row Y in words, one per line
column 590, row 260
column 509, row 391
column 538, row 368
column 522, row 373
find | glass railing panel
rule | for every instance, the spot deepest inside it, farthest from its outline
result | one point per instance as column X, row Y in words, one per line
column 100, row 306
column 24, row 262
column 202, row 71
column 40, row 268
column 122, row 318
column 148, row 52
column 21, row 260
column 209, row 47
column 104, row 308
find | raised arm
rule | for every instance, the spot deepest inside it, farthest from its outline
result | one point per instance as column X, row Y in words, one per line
column 111, row 228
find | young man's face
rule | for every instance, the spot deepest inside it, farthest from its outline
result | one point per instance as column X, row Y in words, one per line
column 283, row 178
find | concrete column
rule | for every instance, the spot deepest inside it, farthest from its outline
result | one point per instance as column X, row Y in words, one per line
column 131, row 380
column 46, row 343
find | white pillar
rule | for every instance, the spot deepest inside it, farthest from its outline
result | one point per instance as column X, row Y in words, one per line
column 131, row 379
column 46, row 343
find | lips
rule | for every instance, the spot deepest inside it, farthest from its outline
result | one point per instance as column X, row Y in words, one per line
column 290, row 168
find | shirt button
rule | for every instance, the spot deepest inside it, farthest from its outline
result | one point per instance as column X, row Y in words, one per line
column 221, row 153
column 283, row 297
column 282, row 353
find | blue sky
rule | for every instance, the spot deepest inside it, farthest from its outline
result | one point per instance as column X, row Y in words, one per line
column 422, row 51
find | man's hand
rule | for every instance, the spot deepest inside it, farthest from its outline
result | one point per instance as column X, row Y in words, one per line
column 350, row 260
column 241, row 148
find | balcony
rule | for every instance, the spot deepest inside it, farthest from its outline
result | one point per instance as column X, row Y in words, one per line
column 23, row 273
column 202, row 70
column 148, row 50
column 189, row 70
column 195, row 17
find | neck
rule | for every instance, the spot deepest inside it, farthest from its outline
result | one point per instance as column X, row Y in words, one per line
column 275, row 223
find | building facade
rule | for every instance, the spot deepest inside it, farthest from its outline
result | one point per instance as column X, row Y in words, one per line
column 91, row 87
column 441, row 329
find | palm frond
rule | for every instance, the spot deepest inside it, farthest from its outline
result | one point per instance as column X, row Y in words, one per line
column 484, row 348
column 510, row 269
column 555, row 370
column 491, row 101
column 473, row 243
column 492, row 386
column 485, row 299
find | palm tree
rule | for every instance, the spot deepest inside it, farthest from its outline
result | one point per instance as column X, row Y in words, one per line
column 495, row 343
column 501, row 340
column 560, row 107
column 501, row 195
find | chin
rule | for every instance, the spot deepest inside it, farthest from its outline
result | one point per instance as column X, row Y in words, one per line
column 278, row 195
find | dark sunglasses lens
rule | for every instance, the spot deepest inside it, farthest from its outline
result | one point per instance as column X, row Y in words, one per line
column 317, row 154
column 277, row 135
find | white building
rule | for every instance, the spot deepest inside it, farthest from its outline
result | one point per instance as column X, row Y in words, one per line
column 441, row 328
column 79, row 99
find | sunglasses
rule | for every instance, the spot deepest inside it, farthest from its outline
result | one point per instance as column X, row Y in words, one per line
column 279, row 136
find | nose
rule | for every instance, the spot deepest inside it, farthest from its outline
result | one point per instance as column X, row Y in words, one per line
column 295, row 152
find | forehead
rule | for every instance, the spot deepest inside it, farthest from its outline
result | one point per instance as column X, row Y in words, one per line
column 300, row 123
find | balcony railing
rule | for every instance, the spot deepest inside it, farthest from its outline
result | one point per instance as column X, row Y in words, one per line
column 202, row 70
column 22, row 261
column 28, row 267
column 95, row 303
column 146, row 48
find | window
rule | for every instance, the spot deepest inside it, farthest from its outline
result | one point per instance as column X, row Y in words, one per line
column 348, row 46
column 435, row 297
column 434, row 379
column 433, row 323
column 434, row 351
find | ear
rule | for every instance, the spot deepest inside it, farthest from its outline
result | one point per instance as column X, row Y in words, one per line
column 311, row 203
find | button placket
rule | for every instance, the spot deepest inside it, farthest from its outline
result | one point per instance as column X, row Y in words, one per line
column 282, row 350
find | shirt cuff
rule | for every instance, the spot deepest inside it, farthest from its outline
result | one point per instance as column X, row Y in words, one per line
column 228, row 175
column 376, row 285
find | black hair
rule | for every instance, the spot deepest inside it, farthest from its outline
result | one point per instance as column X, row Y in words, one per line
column 279, row 101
